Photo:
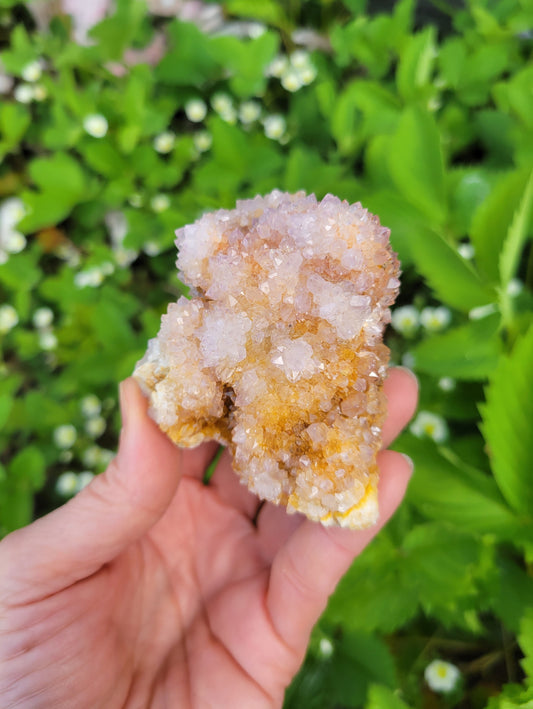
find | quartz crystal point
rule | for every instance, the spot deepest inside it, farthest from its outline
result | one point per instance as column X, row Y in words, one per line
column 278, row 355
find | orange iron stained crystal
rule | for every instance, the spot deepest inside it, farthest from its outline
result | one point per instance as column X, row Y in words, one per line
column 279, row 353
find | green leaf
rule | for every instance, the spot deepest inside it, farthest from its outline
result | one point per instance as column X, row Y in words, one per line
column 453, row 279
column 14, row 122
column 380, row 697
column 468, row 352
column 416, row 163
column 6, row 403
column 491, row 221
column 28, row 466
column 268, row 11
column 525, row 640
column 445, row 489
column 246, row 61
column 508, row 425
column 190, row 61
column 516, row 237
column 513, row 593
column 415, row 68
column 62, row 184
column 117, row 32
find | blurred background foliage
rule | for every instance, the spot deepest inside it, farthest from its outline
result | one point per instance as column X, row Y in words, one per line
column 119, row 125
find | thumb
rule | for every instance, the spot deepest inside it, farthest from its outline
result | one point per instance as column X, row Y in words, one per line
column 116, row 509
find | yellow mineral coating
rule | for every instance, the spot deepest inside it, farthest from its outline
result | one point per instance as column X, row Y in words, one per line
column 278, row 354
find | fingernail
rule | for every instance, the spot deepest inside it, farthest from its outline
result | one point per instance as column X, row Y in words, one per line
column 409, row 372
column 409, row 462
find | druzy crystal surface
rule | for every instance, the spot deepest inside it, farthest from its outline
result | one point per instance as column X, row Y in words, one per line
column 278, row 355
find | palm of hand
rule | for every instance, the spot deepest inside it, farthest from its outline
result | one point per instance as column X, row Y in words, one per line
column 205, row 604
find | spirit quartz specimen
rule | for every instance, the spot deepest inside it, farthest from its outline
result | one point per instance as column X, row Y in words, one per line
column 278, row 355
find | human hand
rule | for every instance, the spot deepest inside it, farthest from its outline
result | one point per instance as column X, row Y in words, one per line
column 151, row 589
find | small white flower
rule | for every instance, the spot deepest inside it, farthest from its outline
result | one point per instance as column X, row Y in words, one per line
column 222, row 103
column 33, row 71
column 466, row 250
column 325, row 648
column 47, row 340
column 94, row 427
column 107, row 268
column 482, row 311
column 256, row 29
column 24, row 93
column 92, row 456
column 67, row 484
column 65, row 436
column 435, row 319
column 40, row 92
column 196, row 110
column 152, row 248
column 515, row 287
column 95, row 125
column 446, row 384
column 14, row 242
column 275, row 126
column 277, row 67
column 136, row 200
column 308, row 74
column 117, row 226
column 124, row 257
column 408, row 360
column 405, row 320
column 4, row 257
column 84, row 478
column 430, row 425
column 42, row 318
column 91, row 277
column 229, row 116
column 202, row 141
column 164, row 142
column 160, row 202
column 70, row 254
column 91, row 406
column 441, row 676
column 249, row 111
column 8, row 318
column 291, row 80
column 300, row 59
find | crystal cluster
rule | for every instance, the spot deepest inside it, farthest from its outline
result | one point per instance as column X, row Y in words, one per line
column 279, row 354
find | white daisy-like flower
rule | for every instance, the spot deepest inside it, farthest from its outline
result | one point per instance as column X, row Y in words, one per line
column 124, row 257
column 164, row 142
column 160, row 203
column 33, row 71
column 195, row 110
column 466, row 250
column 275, row 126
column 40, row 92
column 152, row 248
column 435, row 319
column 8, row 318
column 222, row 104
column 43, row 318
column 442, row 676
column 84, row 478
column 92, row 456
column 117, row 226
column 136, row 200
column 14, row 242
column 278, row 66
column 308, row 74
column 300, row 59
column 430, row 425
column 249, row 111
column 96, row 125
column 94, row 427
column 24, row 93
column 405, row 320
column 67, row 484
column 483, row 311
column 65, row 436
column 89, row 278
column 256, row 29
column 446, row 384
column 90, row 406
column 325, row 648
column 202, row 141
column 291, row 80
column 47, row 340
column 515, row 287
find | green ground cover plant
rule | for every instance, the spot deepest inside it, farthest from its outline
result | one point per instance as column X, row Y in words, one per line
column 424, row 117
